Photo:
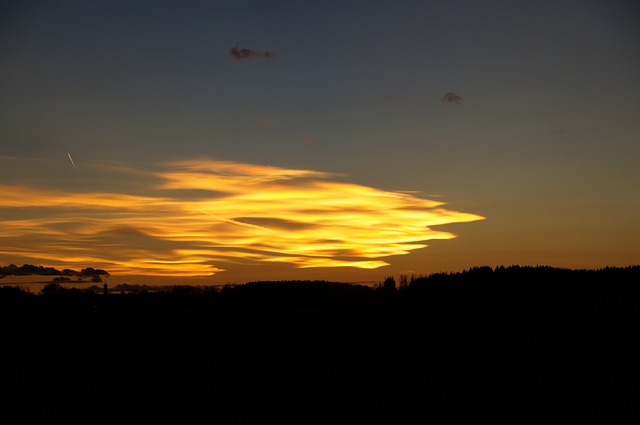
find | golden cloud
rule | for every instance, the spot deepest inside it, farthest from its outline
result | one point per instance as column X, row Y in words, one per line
column 198, row 213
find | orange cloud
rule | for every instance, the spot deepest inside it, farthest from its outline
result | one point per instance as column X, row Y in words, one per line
column 197, row 214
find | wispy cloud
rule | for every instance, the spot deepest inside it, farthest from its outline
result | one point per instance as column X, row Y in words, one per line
column 451, row 97
column 242, row 53
column 235, row 213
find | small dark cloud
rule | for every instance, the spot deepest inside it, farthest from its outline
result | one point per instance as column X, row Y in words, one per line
column 451, row 97
column 269, row 55
column 239, row 53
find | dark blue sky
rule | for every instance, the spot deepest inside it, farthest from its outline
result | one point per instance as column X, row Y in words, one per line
column 543, row 143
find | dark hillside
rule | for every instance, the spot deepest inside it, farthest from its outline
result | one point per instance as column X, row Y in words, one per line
column 510, row 344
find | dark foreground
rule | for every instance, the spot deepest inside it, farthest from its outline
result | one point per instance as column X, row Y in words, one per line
column 96, row 360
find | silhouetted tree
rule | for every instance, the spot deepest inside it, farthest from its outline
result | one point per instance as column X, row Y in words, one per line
column 52, row 289
column 389, row 284
column 404, row 281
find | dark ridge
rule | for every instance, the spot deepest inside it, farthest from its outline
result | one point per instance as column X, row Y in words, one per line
column 507, row 344
column 481, row 290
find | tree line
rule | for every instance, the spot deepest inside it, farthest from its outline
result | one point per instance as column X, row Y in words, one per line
column 500, row 290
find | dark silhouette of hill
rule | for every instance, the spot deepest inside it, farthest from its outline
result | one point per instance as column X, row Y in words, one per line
column 478, row 291
column 528, row 289
column 517, row 344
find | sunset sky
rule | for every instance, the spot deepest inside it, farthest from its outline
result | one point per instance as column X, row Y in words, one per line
column 229, row 141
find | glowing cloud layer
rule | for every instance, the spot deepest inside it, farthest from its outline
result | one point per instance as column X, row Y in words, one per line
column 194, row 215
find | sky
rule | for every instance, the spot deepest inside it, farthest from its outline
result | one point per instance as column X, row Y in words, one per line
column 231, row 141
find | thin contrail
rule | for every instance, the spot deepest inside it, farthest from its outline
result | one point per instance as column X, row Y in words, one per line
column 71, row 159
